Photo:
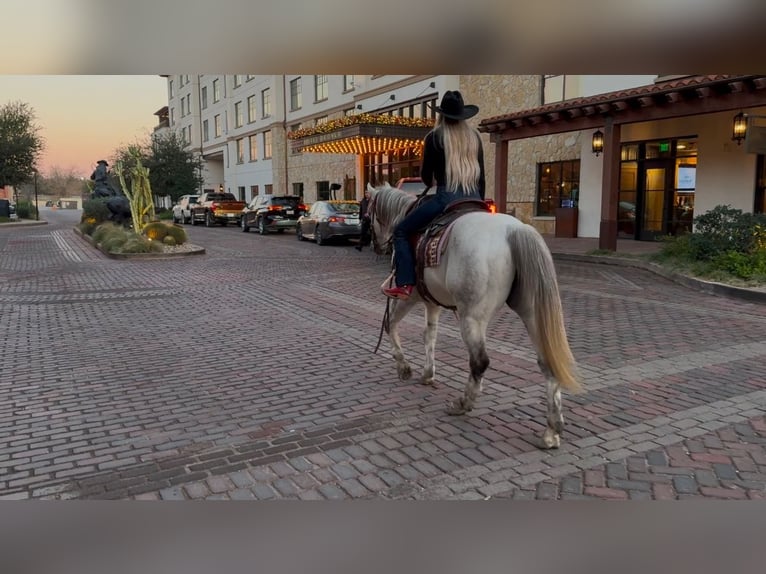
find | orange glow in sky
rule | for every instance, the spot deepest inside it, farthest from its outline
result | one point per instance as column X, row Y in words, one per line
column 83, row 119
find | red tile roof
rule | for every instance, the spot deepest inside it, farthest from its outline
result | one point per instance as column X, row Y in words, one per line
column 680, row 84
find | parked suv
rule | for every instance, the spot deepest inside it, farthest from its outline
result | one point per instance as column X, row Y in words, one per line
column 272, row 213
column 181, row 210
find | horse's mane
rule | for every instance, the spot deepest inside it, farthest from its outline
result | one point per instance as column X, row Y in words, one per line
column 390, row 205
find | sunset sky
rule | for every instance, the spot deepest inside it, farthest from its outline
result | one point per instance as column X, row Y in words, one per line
column 85, row 118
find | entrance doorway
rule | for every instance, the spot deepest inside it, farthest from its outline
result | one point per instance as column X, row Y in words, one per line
column 655, row 181
column 657, row 184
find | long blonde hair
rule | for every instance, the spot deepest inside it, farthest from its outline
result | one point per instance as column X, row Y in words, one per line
column 461, row 152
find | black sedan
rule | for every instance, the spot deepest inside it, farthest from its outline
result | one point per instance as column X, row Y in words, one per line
column 335, row 219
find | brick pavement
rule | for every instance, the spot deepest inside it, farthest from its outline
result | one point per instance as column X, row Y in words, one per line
column 248, row 373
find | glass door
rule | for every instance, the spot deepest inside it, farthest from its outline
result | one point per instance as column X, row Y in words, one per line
column 651, row 217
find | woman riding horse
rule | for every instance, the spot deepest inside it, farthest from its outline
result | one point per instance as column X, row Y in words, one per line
column 453, row 157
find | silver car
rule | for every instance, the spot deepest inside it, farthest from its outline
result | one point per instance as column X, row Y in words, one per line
column 327, row 220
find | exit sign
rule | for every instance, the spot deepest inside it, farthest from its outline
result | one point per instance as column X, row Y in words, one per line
column 664, row 147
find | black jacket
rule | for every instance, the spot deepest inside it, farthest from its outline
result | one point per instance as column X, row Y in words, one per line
column 434, row 166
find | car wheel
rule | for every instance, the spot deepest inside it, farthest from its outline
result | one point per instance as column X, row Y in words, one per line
column 262, row 226
column 318, row 236
column 209, row 221
column 243, row 224
column 191, row 220
column 299, row 233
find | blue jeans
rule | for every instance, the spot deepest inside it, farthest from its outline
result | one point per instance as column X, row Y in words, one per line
column 420, row 217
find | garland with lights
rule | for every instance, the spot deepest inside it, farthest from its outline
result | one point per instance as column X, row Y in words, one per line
column 374, row 119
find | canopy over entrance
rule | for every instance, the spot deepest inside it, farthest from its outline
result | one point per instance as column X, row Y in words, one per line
column 362, row 134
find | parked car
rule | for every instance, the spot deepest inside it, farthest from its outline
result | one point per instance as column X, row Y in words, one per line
column 415, row 185
column 412, row 184
column 626, row 217
column 182, row 209
column 214, row 208
column 272, row 213
column 333, row 219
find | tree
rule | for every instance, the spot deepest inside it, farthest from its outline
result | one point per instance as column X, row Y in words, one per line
column 173, row 169
column 20, row 144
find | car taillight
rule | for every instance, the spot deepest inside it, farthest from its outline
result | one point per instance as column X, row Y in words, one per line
column 336, row 219
column 275, row 208
column 491, row 204
column 302, row 207
column 213, row 206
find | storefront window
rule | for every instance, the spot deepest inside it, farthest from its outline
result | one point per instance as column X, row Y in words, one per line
column 558, row 185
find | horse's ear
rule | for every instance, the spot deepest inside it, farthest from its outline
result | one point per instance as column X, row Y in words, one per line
column 370, row 188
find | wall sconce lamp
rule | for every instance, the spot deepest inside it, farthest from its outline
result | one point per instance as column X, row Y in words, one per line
column 739, row 128
column 597, row 143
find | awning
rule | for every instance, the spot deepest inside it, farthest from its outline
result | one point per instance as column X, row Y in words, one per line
column 362, row 134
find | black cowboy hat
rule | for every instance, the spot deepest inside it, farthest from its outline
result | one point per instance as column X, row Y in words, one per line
column 452, row 107
column 102, row 161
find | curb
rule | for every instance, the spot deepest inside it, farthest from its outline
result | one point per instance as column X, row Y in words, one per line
column 691, row 282
column 22, row 223
column 88, row 239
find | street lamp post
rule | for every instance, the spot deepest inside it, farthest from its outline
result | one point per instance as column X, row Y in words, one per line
column 37, row 207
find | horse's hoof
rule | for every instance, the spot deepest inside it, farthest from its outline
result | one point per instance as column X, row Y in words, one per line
column 457, row 407
column 551, row 439
column 405, row 373
column 428, row 381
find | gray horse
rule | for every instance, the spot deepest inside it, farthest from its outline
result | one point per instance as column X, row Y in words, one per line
column 489, row 261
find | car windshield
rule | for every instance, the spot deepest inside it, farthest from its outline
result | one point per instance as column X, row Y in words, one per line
column 412, row 186
column 346, row 207
column 221, row 197
column 285, row 201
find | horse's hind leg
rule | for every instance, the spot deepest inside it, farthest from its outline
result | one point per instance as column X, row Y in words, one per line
column 473, row 332
column 400, row 308
column 429, row 338
column 552, row 436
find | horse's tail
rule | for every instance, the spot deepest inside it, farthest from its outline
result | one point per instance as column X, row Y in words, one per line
column 536, row 283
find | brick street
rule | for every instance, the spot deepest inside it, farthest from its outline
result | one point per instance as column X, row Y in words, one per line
column 249, row 373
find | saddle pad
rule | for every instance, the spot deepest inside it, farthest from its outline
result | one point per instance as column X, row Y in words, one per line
column 434, row 246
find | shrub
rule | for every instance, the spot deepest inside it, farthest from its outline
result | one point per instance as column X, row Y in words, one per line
column 96, row 210
column 178, row 233
column 26, row 209
column 139, row 244
column 169, row 240
column 742, row 265
column 156, row 231
column 106, row 229
column 114, row 240
column 87, row 227
column 724, row 229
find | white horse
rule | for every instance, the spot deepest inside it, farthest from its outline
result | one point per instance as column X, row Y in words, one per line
column 489, row 260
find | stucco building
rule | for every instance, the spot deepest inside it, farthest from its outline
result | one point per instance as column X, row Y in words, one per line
column 666, row 152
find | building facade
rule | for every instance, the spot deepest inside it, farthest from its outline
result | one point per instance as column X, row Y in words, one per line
column 674, row 158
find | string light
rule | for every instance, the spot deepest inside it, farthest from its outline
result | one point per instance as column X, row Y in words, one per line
column 365, row 145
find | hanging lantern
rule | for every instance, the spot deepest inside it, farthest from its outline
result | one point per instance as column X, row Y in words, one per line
column 739, row 128
column 597, row 144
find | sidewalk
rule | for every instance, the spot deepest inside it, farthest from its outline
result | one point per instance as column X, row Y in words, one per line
column 578, row 249
column 584, row 245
